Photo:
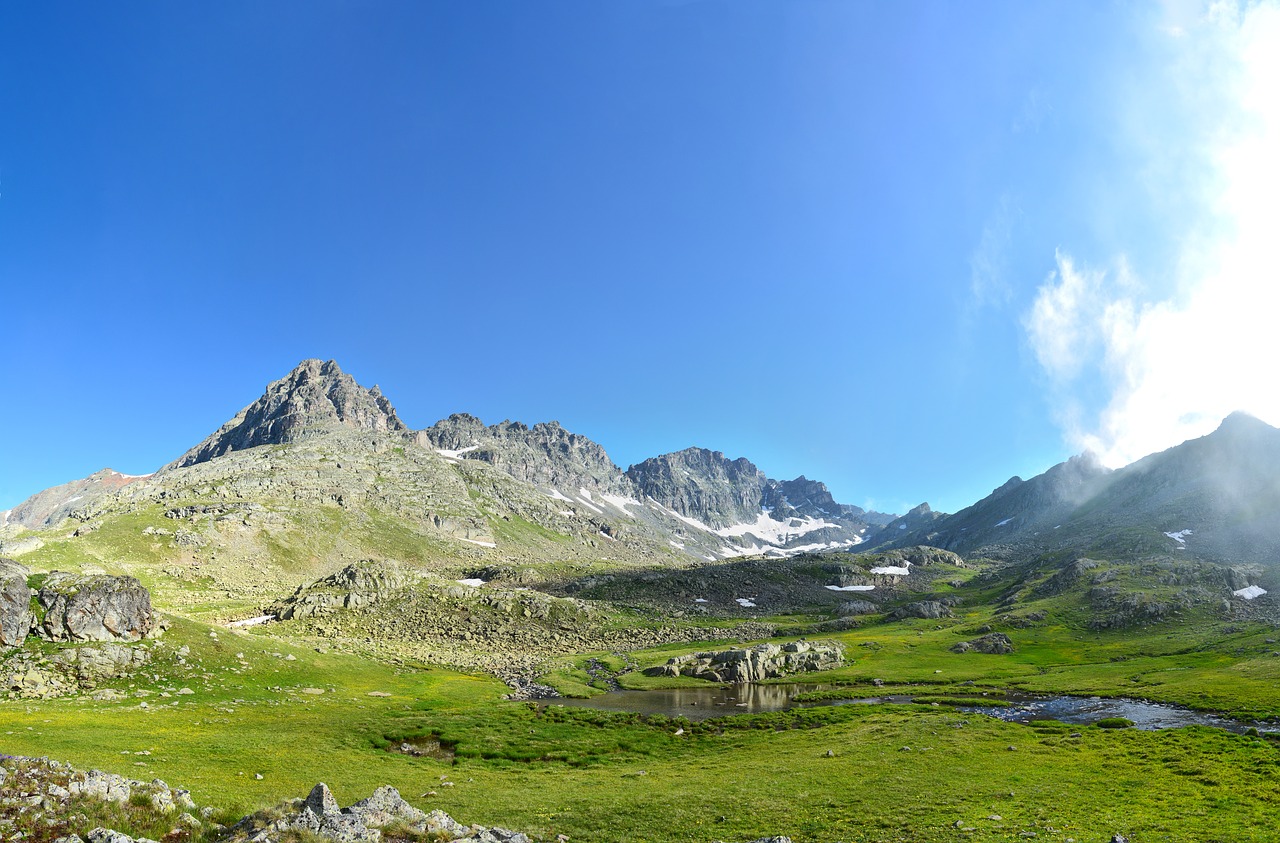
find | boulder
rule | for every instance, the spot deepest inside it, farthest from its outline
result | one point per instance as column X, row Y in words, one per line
column 927, row 609
column 15, row 604
column 996, row 643
column 94, row 608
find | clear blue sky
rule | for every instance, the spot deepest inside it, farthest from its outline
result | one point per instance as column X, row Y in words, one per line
column 809, row 233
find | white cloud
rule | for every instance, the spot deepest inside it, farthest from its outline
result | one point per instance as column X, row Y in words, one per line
column 1173, row 367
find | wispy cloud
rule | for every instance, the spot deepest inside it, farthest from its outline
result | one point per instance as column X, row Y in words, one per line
column 1173, row 366
column 989, row 263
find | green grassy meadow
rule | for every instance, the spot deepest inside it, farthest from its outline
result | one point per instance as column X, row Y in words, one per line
column 853, row 773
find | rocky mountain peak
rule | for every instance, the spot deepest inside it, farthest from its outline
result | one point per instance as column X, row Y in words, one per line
column 316, row 396
column 546, row 455
column 702, row 484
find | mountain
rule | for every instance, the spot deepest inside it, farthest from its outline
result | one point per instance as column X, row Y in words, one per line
column 311, row 399
column 58, row 503
column 320, row 471
column 545, row 455
column 1214, row 498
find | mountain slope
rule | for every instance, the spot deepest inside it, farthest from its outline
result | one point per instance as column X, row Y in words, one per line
column 1216, row 498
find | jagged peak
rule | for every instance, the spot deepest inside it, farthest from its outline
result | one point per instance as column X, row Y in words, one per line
column 315, row 396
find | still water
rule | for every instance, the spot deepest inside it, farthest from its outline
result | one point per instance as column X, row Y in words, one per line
column 717, row 701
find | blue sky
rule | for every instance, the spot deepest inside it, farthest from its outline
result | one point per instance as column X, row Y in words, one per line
column 906, row 249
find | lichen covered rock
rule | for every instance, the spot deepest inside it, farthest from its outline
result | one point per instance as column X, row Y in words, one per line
column 94, row 608
column 15, row 603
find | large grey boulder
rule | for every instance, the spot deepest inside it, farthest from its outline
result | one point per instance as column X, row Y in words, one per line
column 15, row 603
column 995, row 644
column 927, row 609
column 94, row 608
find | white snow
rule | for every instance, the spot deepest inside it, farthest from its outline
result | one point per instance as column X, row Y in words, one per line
column 1005, row 521
column 776, row 532
column 621, row 502
column 453, row 455
column 893, row 570
column 477, row 541
column 902, row 526
column 474, row 582
column 675, row 544
column 699, row 600
column 76, row 498
column 1250, row 592
column 692, row 522
column 556, row 494
column 607, row 536
column 851, row 588
column 588, row 501
column 130, row 476
column 567, row 513
column 1181, row 537
column 260, row 619
column 744, row 603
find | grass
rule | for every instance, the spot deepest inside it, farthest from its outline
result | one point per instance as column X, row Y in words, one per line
column 853, row 773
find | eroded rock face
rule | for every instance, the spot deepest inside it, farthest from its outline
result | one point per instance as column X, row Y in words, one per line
column 763, row 661
column 15, row 603
column 94, row 608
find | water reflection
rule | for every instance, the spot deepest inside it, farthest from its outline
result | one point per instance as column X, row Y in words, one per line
column 718, row 701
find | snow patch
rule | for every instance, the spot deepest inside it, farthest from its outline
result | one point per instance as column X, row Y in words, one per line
column 675, row 544
column 776, row 532
column 477, row 541
column 744, row 602
column 700, row 600
column 1181, row 538
column 130, row 476
column 1005, row 521
column 902, row 526
column 474, row 582
column 556, row 494
column 893, row 570
column 851, row 588
column 453, row 455
column 76, row 498
column 1249, row 593
column 260, row 619
column 567, row 513
column 621, row 502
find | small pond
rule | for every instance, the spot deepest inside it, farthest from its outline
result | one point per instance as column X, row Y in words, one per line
column 719, row 701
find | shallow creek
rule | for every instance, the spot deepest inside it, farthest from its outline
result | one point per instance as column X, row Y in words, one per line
column 719, row 701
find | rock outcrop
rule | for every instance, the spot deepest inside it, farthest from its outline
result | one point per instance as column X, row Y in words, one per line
column 15, row 603
column 753, row 664
column 927, row 609
column 356, row 586
column 320, row 815
column 94, row 608
column 995, row 643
